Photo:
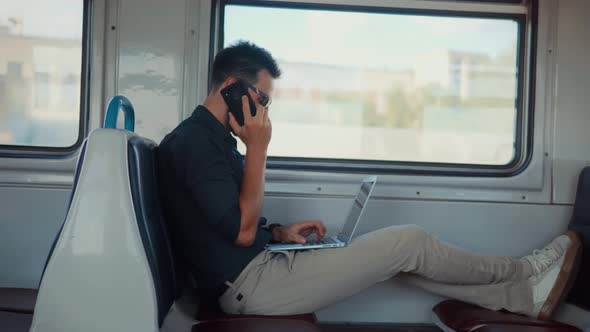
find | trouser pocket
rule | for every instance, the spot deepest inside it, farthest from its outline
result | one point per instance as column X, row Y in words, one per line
column 236, row 296
column 231, row 300
column 234, row 299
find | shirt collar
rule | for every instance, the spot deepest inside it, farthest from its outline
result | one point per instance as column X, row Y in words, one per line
column 204, row 116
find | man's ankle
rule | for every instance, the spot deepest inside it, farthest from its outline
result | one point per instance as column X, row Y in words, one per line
column 527, row 269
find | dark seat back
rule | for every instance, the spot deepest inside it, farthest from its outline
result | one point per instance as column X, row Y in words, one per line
column 580, row 223
column 154, row 234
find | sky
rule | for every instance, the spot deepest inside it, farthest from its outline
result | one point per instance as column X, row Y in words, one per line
column 380, row 40
column 45, row 18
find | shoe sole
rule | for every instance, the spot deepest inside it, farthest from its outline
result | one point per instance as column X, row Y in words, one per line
column 565, row 279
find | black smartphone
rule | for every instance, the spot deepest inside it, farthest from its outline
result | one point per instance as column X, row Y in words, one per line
column 232, row 94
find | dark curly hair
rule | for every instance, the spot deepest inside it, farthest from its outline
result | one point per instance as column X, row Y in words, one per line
column 243, row 60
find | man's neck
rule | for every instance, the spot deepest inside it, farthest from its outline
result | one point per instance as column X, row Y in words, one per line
column 218, row 108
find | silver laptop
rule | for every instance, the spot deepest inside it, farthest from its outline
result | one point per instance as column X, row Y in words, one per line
column 345, row 236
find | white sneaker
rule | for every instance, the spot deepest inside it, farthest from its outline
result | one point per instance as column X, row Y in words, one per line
column 542, row 259
column 550, row 286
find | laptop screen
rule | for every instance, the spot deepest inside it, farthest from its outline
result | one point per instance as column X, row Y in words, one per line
column 356, row 209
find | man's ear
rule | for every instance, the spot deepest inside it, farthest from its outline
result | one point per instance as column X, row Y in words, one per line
column 228, row 81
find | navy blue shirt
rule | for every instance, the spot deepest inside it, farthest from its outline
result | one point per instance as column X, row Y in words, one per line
column 201, row 173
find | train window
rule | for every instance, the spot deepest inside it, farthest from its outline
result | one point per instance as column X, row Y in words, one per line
column 418, row 87
column 40, row 73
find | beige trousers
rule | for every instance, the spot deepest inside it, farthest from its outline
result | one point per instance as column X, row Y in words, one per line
column 294, row 282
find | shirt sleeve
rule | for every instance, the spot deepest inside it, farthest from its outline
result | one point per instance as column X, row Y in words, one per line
column 210, row 179
column 263, row 236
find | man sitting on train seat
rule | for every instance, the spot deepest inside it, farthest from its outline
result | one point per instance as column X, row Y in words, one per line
column 213, row 197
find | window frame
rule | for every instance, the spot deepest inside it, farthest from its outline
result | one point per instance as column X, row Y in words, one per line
column 526, row 57
column 51, row 152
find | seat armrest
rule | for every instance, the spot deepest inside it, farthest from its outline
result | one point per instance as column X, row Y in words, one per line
column 522, row 328
column 453, row 315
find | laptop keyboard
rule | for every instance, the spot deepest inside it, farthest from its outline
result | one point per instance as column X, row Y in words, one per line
column 327, row 240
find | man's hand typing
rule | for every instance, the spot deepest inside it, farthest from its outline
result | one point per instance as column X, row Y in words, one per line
column 297, row 232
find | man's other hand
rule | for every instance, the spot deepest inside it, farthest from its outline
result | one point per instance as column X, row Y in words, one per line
column 297, row 232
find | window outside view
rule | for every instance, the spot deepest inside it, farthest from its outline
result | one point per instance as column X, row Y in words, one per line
column 387, row 86
column 40, row 72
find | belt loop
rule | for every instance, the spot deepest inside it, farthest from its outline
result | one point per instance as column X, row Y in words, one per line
column 230, row 285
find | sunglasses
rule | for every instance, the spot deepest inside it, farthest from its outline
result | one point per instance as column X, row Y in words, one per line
column 265, row 100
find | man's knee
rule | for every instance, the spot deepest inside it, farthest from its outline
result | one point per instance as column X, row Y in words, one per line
column 409, row 235
column 415, row 232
